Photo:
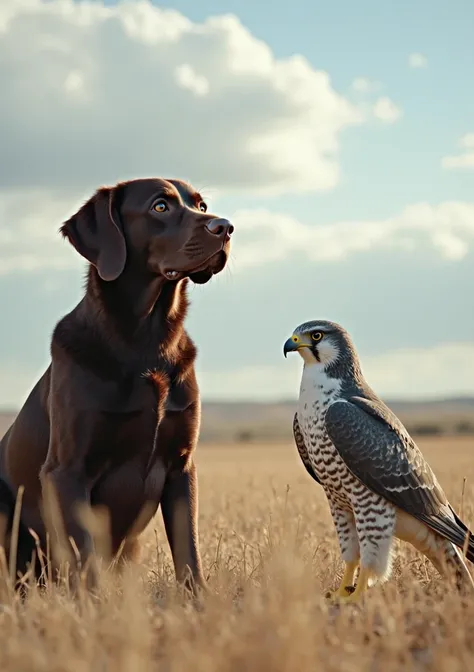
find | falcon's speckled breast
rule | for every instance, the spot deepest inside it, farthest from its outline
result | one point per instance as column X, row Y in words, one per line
column 364, row 521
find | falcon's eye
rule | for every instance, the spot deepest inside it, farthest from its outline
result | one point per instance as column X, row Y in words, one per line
column 317, row 336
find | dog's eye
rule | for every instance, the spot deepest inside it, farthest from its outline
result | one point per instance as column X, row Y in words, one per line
column 160, row 206
column 317, row 336
column 202, row 206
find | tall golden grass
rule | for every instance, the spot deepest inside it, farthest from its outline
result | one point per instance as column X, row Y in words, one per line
column 270, row 553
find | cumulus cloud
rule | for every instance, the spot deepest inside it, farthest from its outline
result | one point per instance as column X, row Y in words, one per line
column 29, row 230
column 101, row 92
column 383, row 108
column 442, row 370
column 463, row 160
column 391, row 298
column 364, row 85
column 386, row 111
column 189, row 79
column 261, row 236
column 417, row 60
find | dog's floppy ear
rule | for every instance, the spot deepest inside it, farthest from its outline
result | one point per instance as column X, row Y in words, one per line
column 96, row 235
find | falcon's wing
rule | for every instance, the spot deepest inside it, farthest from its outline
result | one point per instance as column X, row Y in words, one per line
column 378, row 450
column 299, row 440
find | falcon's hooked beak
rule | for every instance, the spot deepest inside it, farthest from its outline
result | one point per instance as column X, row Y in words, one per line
column 295, row 343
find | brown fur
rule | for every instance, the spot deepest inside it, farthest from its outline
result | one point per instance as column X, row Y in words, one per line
column 114, row 420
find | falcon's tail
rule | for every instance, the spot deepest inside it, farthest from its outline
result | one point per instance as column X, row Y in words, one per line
column 467, row 548
column 451, row 527
column 463, row 575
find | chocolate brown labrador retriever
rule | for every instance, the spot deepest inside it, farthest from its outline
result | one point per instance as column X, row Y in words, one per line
column 115, row 418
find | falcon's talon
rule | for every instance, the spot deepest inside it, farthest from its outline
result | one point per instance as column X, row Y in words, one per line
column 347, row 582
column 351, row 599
column 351, row 594
column 342, row 591
column 378, row 484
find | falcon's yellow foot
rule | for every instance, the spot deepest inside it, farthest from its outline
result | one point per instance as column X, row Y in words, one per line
column 360, row 589
column 343, row 592
column 347, row 584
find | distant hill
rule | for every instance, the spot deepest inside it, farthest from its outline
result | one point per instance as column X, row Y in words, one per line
column 253, row 420
column 257, row 421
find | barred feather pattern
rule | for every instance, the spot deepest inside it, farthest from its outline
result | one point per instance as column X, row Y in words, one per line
column 364, row 521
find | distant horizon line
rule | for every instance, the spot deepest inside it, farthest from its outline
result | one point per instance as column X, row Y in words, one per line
column 400, row 400
column 459, row 398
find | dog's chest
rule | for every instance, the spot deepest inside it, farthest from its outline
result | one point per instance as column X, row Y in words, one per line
column 317, row 392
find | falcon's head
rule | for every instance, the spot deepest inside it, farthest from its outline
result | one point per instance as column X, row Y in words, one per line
column 322, row 343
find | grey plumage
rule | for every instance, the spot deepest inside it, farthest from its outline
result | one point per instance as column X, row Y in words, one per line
column 378, row 450
column 376, row 479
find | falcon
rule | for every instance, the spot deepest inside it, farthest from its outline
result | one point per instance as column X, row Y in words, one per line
column 378, row 485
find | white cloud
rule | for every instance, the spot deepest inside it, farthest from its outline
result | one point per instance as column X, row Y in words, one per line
column 459, row 161
column 385, row 110
column 74, row 82
column 29, row 231
column 464, row 160
column 261, row 236
column 364, row 85
column 417, row 60
column 99, row 93
column 467, row 141
column 189, row 79
column 442, row 370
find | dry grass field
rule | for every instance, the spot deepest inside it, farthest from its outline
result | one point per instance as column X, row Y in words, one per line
column 270, row 553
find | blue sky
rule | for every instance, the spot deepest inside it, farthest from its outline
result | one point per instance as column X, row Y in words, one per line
column 379, row 236
column 374, row 39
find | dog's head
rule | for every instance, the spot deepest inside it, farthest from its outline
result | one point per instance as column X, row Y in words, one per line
column 162, row 225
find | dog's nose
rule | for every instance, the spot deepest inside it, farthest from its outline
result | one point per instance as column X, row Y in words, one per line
column 220, row 227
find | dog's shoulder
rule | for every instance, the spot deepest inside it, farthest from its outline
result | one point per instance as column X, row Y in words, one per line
column 80, row 342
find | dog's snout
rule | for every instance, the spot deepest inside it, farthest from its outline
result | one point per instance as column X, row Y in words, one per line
column 220, row 227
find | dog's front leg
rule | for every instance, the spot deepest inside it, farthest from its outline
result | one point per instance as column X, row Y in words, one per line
column 179, row 506
column 64, row 492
